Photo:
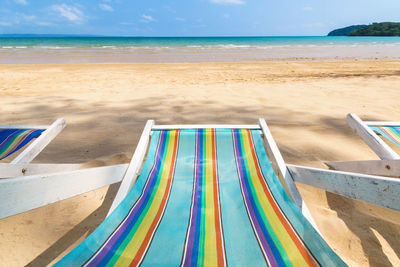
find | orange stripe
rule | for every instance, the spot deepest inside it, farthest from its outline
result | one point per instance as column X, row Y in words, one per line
column 304, row 252
column 139, row 255
column 220, row 251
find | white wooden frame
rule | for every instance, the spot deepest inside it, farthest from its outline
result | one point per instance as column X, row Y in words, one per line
column 43, row 189
column 371, row 138
column 135, row 165
column 377, row 190
column 372, row 167
column 389, row 165
column 283, row 173
column 20, row 164
column 14, row 170
column 39, row 143
column 25, row 193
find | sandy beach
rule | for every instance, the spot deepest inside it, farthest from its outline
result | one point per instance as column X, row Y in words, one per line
column 107, row 105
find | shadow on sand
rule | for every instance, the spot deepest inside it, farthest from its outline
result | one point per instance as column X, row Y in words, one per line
column 102, row 130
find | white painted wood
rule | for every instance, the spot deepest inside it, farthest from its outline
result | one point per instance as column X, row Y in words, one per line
column 371, row 167
column 283, row 173
column 203, row 126
column 134, row 166
column 381, row 191
column 24, row 127
column 382, row 123
column 25, row 193
column 40, row 143
column 13, row 170
column 371, row 138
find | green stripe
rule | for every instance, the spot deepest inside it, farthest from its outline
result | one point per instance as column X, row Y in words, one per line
column 275, row 239
column 202, row 236
column 132, row 232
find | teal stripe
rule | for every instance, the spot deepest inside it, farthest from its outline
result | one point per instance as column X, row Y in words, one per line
column 241, row 245
column 93, row 242
column 169, row 240
column 317, row 245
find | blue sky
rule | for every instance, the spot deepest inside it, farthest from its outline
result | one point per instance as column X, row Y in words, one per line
column 191, row 17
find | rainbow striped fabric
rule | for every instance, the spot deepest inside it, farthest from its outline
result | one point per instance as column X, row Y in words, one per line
column 391, row 133
column 11, row 140
column 205, row 197
column 204, row 244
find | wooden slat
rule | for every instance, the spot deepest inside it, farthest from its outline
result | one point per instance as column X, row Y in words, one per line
column 21, row 194
column 204, row 126
column 284, row 175
column 382, row 123
column 371, row 167
column 372, row 139
column 14, row 170
column 40, row 143
column 134, row 166
column 25, row 127
column 381, row 191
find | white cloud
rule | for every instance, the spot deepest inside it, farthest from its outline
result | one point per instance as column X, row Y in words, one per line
column 28, row 17
column 43, row 23
column 5, row 23
column 147, row 18
column 169, row 9
column 228, row 2
column 227, row 16
column 71, row 13
column 106, row 7
column 307, row 8
column 21, row 2
column 180, row 19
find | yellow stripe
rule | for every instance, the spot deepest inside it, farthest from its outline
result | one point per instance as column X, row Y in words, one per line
column 286, row 241
column 137, row 240
column 210, row 248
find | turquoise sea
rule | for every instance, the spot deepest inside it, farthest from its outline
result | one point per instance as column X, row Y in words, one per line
column 58, row 49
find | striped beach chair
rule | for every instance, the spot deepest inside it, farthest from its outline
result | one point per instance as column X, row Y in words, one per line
column 210, row 195
column 371, row 132
column 205, row 197
column 15, row 137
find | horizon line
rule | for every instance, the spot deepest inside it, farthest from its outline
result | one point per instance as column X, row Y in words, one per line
column 145, row 36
